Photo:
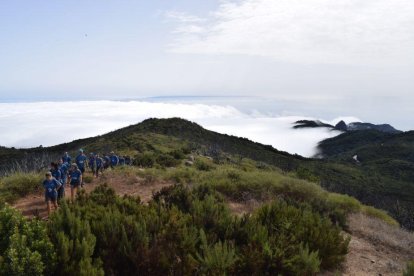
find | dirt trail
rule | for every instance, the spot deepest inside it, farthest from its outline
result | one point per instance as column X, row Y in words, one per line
column 375, row 248
column 34, row 204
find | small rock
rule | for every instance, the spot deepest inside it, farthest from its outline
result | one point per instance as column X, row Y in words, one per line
column 189, row 163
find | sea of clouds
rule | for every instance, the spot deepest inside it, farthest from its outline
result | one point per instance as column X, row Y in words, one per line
column 50, row 123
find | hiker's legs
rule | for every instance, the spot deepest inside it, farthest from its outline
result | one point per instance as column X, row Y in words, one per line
column 48, row 207
column 73, row 191
column 55, row 204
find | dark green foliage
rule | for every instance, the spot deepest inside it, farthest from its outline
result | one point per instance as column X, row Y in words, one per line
column 25, row 248
column 409, row 270
column 74, row 242
column 146, row 160
column 87, row 178
column 190, row 231
column 166, row 160
column 177, row 154
column 203, row 165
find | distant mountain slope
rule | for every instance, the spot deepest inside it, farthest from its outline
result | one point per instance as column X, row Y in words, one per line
column 384, row 178
column 385, row 167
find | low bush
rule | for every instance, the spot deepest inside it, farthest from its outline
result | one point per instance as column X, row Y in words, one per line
column 187, row 231
column 409, row 270
column 19, row 185
column 146, row 160
column 88, row 178
column 166, row 160
column 380, row 214
column 203, row 165
column 25, row 248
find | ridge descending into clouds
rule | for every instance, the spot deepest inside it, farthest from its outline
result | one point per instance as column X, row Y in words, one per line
column 321, row 31
column 50, row 123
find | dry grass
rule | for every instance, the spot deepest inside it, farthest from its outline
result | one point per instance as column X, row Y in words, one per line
column 377, row 231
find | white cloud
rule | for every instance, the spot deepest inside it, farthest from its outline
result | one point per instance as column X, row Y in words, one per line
column 183, row 17
column 311, row 31
column 50, row 123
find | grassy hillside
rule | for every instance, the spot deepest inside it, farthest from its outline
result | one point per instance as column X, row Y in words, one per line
column 383, row 179
column 188, row 227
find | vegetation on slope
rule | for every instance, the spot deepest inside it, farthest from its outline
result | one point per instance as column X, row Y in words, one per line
column 383, row 178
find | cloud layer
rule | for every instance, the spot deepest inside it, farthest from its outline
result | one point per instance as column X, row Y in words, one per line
column 312, row 31
column 50, row 123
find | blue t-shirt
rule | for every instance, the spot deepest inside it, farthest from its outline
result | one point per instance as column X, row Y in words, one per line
column 80, row 160
column 114, row 160
column 99, row 162
column 75, row 176
column 121, row 161
column 92, row 161
column 56, row 174
column 66, row 159
column 64, row 169
column 51, row 187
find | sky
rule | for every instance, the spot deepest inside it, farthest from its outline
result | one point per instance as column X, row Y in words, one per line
column 316, row 58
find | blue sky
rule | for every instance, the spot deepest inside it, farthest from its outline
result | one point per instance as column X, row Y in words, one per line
column 316, row 58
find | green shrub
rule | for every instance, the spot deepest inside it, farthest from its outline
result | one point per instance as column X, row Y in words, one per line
column 88, row 178
column 166, row 160
column 344, row 202
column 25, row 248
column 380, row 214
column 409, row 270
column 74, row 243
column 203, row 165
column 178, row 154
column 146, row 160
column 19, row 185
column 215, row 259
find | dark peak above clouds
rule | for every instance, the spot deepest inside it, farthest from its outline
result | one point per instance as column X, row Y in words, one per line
column 342, row 126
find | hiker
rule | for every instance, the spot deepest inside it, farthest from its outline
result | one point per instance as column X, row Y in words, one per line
column 75, row 180
column 51, row 186
column 81, row 162
column 128, row 160
column 54, row 170
column 66, row 158
column 64, row 169
column 57, row 174
column 121, row 160
column 107, row 162
column 114, row 160
column 92, row 163
column 99, row 165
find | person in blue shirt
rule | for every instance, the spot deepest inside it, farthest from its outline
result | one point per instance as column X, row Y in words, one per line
column 114, row 160
column 128, row 160
column 51, row 186
column 81, row 161
column 64, row 169
column 99, row 164
column 92, row 163
column 57, row 174
column 66, row 158
column 75, row 176
column 107, row 161
column 121, row 160
column 54, row 170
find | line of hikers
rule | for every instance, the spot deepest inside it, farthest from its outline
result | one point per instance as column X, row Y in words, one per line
column 63, row 172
